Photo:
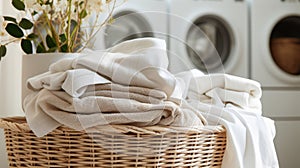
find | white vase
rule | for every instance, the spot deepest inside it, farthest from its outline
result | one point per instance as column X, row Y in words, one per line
column 34, row 64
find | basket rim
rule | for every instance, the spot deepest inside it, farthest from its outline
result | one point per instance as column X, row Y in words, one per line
column 19, row 124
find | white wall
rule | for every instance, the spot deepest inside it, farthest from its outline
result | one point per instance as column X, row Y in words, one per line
column 10, row 83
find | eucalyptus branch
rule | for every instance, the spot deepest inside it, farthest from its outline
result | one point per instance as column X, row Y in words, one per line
column 39, row 34
column 55, row 35
column 77, row 27
column 95, row 23
column 69, row 25
column 52, row 29
column 12, row 41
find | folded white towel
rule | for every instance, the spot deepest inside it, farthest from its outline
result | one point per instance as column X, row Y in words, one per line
column 241, row 92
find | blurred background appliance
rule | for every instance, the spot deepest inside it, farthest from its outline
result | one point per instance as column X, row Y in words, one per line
column 134, row 19
column 275, row 63
column 211, row 35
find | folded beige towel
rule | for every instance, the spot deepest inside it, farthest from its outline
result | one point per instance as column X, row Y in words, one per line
column 46, row 110
column 140, row 94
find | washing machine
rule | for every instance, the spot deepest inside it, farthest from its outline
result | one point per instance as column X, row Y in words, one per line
column 134, row 19
column 211, row 35
column 275, row 63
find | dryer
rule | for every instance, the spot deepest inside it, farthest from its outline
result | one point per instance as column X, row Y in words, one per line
column 211, row 35
column 134, row 19
column 272, row 32
column 275, row 63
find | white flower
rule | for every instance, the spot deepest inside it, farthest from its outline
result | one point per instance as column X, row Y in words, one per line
column 2, row 26
column 60, row 5
column 20, row 15
column 46, row 8
column 37, row 7
column 94, row 5
column 30, row 3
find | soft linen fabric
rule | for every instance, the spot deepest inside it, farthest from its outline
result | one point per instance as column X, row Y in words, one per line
column 139, row 62
column 74, row 81
column 234, row 103
column 46, row 110
column 241, row 92
column 127, row 84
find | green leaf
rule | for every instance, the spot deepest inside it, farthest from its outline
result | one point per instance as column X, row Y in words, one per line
column 64, row 48
column 18, row 4
column 50, row 41
column 34, row 13
column 73, row 23
column 14, row 30
column 26, row 46
column 26, row 24
column 52, row 50
column 62, row 38
column 40, row 48
column 2, row 51
column 32, row 36
column 11, row 19
column 81, row 3
column 83, row 14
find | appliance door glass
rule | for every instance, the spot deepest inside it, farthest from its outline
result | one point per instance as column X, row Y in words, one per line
column 209, row 43
column 127, row 25
column 285, row 45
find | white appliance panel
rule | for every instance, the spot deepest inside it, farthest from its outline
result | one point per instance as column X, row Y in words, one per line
column 281, row 103
column 287, row 143
column 134, row 19
column 225, row 12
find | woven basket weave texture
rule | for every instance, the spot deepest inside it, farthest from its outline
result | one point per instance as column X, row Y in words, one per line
column 154, row 146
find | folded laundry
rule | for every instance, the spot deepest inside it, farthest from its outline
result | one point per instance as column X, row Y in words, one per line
column 140, row 94
column 74, row 81
column 124, row 86
column 241, row 92
column 46, row 110
column 139, row 62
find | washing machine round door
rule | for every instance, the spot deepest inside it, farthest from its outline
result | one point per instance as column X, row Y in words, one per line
column 127, row 25
column 209, row 43
column 285, row 45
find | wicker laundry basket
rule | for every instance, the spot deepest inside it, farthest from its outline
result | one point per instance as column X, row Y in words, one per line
column 154, row 146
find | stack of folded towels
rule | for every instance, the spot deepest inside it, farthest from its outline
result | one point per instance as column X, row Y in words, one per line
column 130, row 84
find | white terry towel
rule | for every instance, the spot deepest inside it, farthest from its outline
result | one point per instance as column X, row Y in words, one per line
column 230, row 89
column 249, row 135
